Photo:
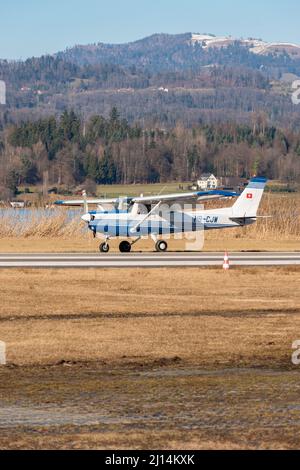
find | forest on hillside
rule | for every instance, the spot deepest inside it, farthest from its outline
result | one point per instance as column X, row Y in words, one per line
column 158, row 82
column 156, row 110
column 110, row 150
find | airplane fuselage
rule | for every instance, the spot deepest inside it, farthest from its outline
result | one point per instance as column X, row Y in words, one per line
column 126, row 224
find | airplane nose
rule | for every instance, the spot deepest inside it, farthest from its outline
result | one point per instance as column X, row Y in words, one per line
column 86, row 218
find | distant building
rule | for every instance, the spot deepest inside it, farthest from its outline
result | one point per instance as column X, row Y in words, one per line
column 208, row 181
column 17, row 204
column 53, row 191
column 233, row 183
column 165, row 90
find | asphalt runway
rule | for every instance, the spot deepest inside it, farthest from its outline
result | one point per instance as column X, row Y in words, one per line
column 147, row 260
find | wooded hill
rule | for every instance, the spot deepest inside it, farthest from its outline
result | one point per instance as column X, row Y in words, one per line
column 159, row 81
column 156, row 110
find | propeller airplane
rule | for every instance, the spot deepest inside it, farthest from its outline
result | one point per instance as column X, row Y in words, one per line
column 160, row 216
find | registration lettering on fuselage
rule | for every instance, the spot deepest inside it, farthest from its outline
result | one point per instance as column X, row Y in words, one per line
column 207, row 219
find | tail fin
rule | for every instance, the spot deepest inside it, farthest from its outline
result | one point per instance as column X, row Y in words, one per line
column 248, row 203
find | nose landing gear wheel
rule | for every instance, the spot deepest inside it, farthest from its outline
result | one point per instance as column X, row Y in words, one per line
column 161, row 246
column 104, row 248
column 125, row 247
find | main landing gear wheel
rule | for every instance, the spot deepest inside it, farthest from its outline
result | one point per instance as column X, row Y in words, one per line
column 104, row 248
column 125, row 247
column 161, row 246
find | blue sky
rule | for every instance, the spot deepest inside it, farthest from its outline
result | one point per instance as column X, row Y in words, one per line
column 36, row 27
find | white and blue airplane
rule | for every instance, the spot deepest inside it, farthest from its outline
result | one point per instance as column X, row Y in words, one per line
column 165, row 215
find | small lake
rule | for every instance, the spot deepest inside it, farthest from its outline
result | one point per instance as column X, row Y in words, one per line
column 28, row 214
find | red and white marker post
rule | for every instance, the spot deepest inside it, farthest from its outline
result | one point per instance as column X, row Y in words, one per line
column 226, row 265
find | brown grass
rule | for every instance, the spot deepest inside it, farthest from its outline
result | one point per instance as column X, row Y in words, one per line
column 47, row 316
column 150, row 408
column 172, row 359
column 77, row 245
column 38, row 225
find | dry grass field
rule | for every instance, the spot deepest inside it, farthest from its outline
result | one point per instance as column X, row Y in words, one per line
column 52, row 315
column 194, row 358
column 89, row 245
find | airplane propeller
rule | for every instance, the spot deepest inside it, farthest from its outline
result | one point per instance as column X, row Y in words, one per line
column 85, row 206
column 87, row 217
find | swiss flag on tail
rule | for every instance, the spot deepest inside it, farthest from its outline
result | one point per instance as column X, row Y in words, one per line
column 249, row 196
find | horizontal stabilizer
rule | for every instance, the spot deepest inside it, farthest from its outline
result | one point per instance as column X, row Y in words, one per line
column 244, row 220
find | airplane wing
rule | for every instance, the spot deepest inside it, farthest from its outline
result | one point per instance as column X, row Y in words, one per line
column 149, row 200
column 185, row 197
column 81, row 202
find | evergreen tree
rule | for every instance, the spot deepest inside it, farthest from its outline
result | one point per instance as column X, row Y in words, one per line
column 107, row 169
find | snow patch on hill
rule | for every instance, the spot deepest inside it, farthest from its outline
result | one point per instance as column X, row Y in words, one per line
column 256, row 46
